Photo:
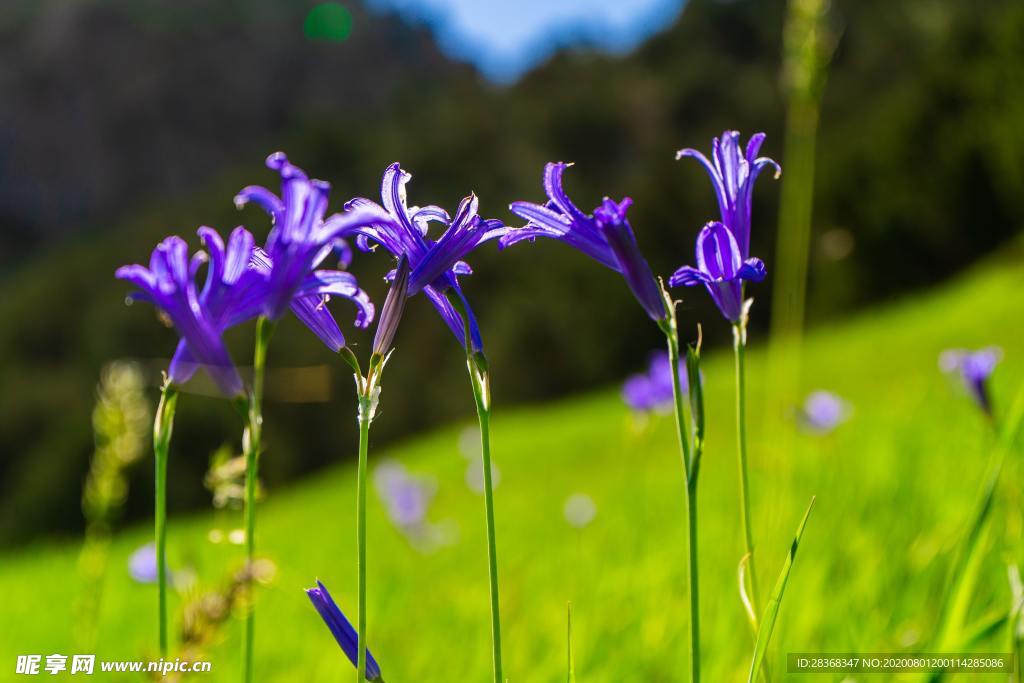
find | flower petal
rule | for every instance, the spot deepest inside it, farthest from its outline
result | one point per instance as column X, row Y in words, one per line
column 752, row 269
column 688, row 276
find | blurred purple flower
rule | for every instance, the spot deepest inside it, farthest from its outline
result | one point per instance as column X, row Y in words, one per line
column 823, row 411
column 973, row 369
column 341, row 629
column 142, row 564
column 723, row 247
column 298, row 242
column 233, row 293
column 652, row 390
column 434, row 265
column 606, row 236
column 721, row 270
column 407, row 498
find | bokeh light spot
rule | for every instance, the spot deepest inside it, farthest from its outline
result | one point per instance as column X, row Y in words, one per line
column 328, row 21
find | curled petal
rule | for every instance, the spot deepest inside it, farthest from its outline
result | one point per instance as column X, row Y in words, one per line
column 263, row 198
column 553, row 172
column 688, row 276
column 393, row 195
column 336, row 283
column 140, row 276
column 760, row 163
column 752, row 269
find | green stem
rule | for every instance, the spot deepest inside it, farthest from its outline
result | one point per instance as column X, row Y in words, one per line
column 690, row 472
column 482, row 395
column 739, row 346
column 366, row 410
column 252, row 440
column 162, row 428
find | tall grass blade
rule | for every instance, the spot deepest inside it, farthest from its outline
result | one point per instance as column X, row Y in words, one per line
column 572, row 660
column 771, row 610
column 967, row 568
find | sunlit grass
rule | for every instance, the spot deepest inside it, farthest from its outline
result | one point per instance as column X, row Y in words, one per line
column 895, row 486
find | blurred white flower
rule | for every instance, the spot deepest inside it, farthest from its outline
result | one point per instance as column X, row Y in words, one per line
column 475, row 476
column 579, row 510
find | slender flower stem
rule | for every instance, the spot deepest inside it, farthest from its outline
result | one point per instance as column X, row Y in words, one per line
column 366, row 409
column 162, row 428
column 480, row 381
column 252, row 440
column 739, row 346
column 690, row 468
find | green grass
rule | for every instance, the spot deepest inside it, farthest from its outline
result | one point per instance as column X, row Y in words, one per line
column 894, row 485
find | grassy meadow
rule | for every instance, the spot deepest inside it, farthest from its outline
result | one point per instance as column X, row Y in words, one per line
column 895, row 486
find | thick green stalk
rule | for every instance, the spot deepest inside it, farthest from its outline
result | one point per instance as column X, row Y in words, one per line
column 162, row 428
column 690, row 472
column 482, row 395
column 739, row 346
column 366, row 409
column 252, row 440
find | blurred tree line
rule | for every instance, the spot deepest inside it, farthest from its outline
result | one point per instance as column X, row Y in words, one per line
column 122, row 122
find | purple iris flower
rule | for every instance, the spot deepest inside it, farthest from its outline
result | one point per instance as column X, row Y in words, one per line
column 723, row 261
column 434, row 265
column 973, row 368
column 722, row 269
column 733, row 173
column 232, row 294
column 652, row 390
column 342, row 629
column 299, row 241
column 823, row 411
column 604, row 236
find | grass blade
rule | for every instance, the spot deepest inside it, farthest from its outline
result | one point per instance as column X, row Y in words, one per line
column 748, row 606
column 572, row 659
column 771, row 610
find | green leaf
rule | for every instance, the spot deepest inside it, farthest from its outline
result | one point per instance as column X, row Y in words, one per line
column 771, row 610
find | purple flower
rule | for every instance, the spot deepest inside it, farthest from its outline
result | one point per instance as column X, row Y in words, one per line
column 652, row 390
column 733, row 174
column 721, row 268
column 406, row 497
column 723, row 248
column 823, row 411
column 434, row 265
column 605, row 236
column 973, row 368
column 342, row 630
column 142, row 564
column 298, row 242
column 232, row 294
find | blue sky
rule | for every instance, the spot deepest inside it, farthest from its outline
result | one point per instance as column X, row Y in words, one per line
column 505, row 38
